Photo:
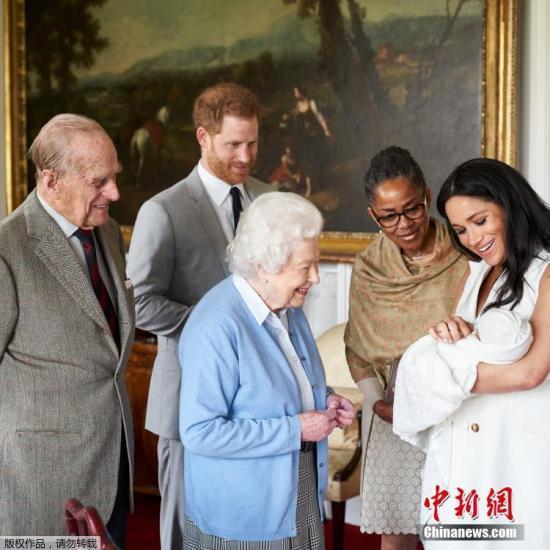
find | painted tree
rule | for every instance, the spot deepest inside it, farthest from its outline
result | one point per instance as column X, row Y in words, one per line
column 365, row 53
column 434, row 61
column 61, row 35
column 347, row 61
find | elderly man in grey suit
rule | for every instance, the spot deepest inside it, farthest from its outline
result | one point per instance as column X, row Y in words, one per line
column 66, row 327
column 178, row 253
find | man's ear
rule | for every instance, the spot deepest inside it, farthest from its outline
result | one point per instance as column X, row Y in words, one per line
column 49, row 179
column 203, row 137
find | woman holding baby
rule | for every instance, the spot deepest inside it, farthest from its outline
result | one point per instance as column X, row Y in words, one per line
column 404, row 282
column 495, row 468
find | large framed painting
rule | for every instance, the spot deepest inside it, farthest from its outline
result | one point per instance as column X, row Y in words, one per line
column 338, row 80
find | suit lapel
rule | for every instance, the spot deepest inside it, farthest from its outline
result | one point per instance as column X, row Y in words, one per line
column 115, row 264
column 54, row 251
column 256, row 188
column 208, row 218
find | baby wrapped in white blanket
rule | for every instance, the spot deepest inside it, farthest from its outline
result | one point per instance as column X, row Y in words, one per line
column 435, row 377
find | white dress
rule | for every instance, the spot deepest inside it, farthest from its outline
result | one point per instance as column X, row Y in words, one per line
column 494, row 442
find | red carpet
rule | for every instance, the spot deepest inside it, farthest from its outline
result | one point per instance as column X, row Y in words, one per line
column 143, row 524
column 143, row 529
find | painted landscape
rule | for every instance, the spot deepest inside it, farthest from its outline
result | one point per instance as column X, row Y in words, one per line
column 338, row 80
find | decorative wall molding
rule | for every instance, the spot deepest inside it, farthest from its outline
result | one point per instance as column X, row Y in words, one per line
column 534, row 77
column 327, row 303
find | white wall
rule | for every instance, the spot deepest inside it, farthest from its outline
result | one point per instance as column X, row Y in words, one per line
column 534, row 90
column 327, row 303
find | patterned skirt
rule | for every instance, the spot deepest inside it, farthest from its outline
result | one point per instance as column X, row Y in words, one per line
column 391, row 486
column 308, row 521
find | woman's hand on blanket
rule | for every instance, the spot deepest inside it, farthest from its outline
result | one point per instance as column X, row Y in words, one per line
column 384, row 410
column 451, row 330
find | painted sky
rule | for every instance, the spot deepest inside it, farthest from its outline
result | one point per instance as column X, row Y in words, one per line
column 137, row 26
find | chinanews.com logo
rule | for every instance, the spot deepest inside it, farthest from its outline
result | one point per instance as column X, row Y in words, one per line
column 496, row 505
column 473, row 531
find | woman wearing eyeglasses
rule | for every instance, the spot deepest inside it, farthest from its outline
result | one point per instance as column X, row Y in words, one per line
column 401, row 285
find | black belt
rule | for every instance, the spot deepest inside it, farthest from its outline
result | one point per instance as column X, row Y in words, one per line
column 307, row 446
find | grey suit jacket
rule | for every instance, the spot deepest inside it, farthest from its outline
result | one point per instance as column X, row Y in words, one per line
column 63, row 400
column 177, row 254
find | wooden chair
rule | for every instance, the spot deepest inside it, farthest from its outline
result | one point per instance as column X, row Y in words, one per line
column 85, row 521
column 344, row 446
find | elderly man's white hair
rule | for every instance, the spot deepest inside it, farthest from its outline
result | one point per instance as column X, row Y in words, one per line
column 51, row 148
column 268, row 230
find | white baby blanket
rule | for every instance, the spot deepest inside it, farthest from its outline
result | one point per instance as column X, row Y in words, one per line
column 434, row 377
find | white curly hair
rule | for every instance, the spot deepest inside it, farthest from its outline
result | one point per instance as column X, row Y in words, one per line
column 268, row 229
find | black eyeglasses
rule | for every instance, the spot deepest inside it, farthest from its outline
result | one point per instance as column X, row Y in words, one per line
column 414, row 212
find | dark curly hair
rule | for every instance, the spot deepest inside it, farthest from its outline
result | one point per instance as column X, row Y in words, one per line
column 391, row 163
column 526, row 218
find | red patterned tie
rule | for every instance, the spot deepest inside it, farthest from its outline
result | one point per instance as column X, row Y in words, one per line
column 86, row 238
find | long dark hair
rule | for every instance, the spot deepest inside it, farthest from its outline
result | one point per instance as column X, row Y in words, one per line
column 526, row 218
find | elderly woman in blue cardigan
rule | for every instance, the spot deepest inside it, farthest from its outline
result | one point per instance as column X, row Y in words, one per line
column 255, row 411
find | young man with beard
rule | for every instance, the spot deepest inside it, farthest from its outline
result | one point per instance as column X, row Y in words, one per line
column 178, row 253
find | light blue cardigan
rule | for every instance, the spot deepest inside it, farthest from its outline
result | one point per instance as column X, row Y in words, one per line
column 239, row 406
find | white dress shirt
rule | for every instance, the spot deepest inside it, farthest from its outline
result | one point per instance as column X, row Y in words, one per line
column 279, row 323
column 219, row 194
column 68, row 228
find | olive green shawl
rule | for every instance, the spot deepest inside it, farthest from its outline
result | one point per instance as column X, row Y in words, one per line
column 393, row 301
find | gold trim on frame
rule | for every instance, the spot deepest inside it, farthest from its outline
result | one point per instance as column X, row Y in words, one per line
column 14, row 103
column 499, row 132
column 337, row 246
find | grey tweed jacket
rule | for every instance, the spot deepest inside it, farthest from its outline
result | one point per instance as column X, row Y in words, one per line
column 63, row 400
